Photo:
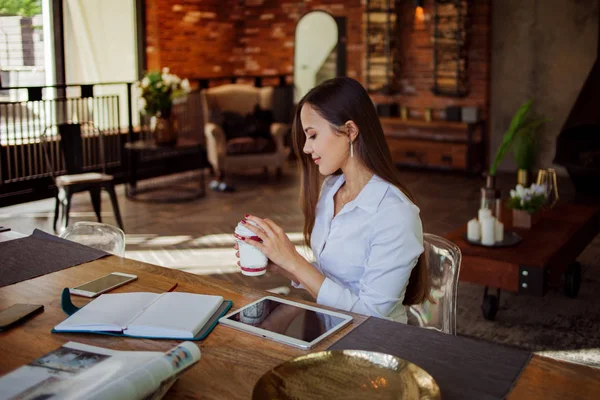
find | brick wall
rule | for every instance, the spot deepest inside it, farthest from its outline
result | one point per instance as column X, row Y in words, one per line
column 211, row 38
column 415, row 61
column 193, row 38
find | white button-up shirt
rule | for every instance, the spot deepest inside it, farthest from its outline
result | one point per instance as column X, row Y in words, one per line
column 368, row 250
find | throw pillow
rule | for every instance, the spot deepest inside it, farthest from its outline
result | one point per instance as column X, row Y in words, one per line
column 258, row 123
column 234, row 125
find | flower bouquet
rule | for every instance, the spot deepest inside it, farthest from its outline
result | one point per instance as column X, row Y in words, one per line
column 526, row 204
column 159, row 90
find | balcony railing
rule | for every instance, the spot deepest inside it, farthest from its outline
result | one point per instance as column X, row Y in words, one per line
column 112, row 107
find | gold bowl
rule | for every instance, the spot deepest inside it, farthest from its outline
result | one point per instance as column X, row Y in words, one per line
column 347, row 374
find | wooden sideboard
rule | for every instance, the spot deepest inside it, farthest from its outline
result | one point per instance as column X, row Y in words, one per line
column 436, row 144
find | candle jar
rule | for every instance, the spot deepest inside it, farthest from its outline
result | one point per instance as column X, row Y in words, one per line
column 548, row 179
column 428, row 114
column 404, row 113
column 490, row 197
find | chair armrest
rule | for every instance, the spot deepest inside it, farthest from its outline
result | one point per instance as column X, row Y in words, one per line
column 215, row 138
column 216, row 146
column 278, row 131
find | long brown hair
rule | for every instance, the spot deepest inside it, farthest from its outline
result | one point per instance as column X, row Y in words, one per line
column 339, row 100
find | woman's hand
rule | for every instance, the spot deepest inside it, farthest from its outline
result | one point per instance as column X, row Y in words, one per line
column 273, row 242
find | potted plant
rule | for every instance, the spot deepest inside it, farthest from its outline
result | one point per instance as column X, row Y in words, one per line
column 490, row 196
column 159, row 90
column 526, row 204
column 525, row 147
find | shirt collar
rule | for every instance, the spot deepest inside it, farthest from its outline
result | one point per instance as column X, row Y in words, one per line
column 369, row 197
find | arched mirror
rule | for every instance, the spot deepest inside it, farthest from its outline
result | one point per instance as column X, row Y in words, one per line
column 316, row 56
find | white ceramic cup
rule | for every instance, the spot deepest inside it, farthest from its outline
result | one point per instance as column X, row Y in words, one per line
column 252, row 260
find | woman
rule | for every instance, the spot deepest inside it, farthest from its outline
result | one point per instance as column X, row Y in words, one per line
column 363, row 227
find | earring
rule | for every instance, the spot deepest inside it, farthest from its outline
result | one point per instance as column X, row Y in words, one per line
column 351, row 149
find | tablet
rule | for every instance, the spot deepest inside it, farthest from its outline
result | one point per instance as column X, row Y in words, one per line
column 286, row 321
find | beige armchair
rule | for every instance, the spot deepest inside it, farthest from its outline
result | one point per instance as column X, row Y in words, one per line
column 241, row 99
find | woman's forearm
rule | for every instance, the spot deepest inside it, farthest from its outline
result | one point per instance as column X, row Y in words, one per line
column 306, row 273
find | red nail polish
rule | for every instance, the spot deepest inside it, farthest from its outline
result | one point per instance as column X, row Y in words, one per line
column 243, row 222
column 247, row 215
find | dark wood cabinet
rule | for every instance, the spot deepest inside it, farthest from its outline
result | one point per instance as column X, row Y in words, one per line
column 436, row 144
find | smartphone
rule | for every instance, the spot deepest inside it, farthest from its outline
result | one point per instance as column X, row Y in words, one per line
column 103, row 284
column 18, row 313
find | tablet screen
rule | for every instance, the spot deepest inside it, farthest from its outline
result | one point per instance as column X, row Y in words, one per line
column 286, row 319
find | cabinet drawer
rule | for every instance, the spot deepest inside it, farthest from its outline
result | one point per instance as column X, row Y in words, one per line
column 428, row 154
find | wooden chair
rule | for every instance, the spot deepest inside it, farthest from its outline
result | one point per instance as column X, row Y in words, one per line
column 77, row 179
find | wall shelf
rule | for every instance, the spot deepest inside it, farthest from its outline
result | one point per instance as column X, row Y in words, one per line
column 450, row 39
column 380, row 39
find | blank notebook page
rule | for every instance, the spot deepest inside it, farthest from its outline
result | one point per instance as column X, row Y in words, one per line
column 108, row 310
column 181, row 312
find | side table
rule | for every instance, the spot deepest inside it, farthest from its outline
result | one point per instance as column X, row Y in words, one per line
column 546, row 251
column 148, row 147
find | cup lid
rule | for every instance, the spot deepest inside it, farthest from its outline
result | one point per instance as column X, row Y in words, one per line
column 242, row 230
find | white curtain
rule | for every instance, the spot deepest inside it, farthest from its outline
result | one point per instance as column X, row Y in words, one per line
column 100, row 46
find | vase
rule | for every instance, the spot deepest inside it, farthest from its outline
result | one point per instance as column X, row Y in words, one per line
column 164, row 131
column 522, row 219
column 523, row 177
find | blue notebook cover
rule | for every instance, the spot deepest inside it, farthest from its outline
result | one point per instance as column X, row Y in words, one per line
column 69, row 308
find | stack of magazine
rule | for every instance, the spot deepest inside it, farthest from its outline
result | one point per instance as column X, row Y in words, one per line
column 79, row 371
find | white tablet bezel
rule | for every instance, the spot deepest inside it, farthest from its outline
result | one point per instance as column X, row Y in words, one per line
column 283, row 338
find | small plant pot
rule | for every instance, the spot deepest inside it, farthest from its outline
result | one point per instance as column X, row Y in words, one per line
column 522, row 219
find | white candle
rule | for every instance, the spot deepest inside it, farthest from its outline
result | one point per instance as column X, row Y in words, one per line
column 483, row 213
column 499, row 234
column 487, row 231
column 474, row 230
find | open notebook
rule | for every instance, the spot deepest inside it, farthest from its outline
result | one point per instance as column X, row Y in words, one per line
column 171, row 315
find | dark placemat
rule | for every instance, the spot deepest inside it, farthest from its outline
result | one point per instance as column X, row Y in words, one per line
column 40, row 254
column 463, row 368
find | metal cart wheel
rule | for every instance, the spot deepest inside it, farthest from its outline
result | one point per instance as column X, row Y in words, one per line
column 573, row 279
column 490, row 304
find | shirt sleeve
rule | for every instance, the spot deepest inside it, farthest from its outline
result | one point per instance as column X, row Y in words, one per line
column 395, row 247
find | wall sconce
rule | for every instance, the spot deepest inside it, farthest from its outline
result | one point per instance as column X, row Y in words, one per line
column 419, row 14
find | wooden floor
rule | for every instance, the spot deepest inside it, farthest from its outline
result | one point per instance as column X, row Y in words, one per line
column 197, row 237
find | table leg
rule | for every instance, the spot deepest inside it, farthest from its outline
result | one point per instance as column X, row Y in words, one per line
column 490, row 304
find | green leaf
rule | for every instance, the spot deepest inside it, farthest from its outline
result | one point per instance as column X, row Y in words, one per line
column 509, row 136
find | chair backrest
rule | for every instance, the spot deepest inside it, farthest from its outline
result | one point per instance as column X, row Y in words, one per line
column 72, row 147
column 237, row 98
column 97, row 235
column 443, row 260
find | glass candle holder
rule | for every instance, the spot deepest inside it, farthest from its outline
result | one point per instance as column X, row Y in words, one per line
column 490, row 197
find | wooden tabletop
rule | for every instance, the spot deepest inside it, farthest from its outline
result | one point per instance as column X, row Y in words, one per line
column 231, row 361
column 556, row 240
